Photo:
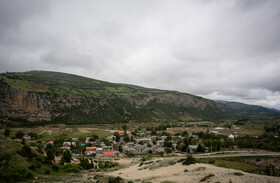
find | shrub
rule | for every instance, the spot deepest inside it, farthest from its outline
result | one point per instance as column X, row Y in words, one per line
column 14, row 173
column 67, row 156
column 172, row 162
column 189, row 160
column 207, row 177
column 72, row 168
column 84, row 162
column 47, row 172
column 186, row 170
column 238, row 173
column 55, row 167
column 19, row 134
column 211, row 161
column 7, row 132
column 115, row 180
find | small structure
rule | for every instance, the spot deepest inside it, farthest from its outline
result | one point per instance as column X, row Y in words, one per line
column 99, row 150
column 87, row 140
column 144, row 140
column 107, row 148
column 90, row 150
column 195, row 136
column 231, row 137
column 27, row 137
column 192, row 148
column 109, row 154
column 160, row 143
column 234, row 147
column 159, row 150
column 219, row 128
column 67, row 145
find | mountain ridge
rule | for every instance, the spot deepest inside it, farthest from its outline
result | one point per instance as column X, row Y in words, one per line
column 54, row 97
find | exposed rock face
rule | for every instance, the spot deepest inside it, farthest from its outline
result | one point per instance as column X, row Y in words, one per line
column 178, row 101
column 31, row 106
column 16, row 104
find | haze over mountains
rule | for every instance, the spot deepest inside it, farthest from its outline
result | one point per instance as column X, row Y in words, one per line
column 53, row 97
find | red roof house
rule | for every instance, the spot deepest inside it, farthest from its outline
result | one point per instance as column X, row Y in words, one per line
column 109, row 153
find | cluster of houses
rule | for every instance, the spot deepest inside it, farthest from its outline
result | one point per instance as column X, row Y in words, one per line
column 142, row 144
column 146, row 143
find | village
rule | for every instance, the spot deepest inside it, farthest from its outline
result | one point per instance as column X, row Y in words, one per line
column 134, row 144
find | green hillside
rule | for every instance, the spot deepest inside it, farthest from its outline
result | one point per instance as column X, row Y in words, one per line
column 62, row 83
column 53, row 97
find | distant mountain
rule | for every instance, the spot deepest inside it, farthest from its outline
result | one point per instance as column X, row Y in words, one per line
column 250, row 110
column 52, row 97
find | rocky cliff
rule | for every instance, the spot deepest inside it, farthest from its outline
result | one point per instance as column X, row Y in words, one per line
column 17, row 105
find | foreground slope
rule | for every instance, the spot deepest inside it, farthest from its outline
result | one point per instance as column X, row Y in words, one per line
column 53, row 97
column 189, row 174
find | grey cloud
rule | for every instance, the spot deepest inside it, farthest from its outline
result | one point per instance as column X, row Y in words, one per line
column 218, row 49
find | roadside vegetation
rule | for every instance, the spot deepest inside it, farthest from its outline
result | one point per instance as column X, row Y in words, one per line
column 264, row 165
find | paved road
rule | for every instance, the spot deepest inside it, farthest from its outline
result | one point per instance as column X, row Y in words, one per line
column 238, row 154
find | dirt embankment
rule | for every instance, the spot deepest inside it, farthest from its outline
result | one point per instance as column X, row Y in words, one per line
column 188, row 174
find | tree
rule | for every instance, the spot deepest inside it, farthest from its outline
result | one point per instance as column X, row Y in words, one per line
column 116, row 134
column 7, row 132
column 182, row 147
column 168, row 150
column 33, row 135
column 19, row 134
column 201, row 148
column 189, row 160
column 124, row 127
column 154, row 132
column 50, row 154
column 67, row 156
column 126, row 138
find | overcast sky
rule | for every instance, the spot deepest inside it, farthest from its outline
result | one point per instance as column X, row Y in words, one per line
column 218, row 49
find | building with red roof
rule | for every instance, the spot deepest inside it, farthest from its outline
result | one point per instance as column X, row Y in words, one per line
column 111, row 154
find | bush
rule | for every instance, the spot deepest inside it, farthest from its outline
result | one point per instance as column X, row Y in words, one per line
column 207, row 177
column 211, row 161
column 19, row 134
column 115, row 180
column 189, row 160
column 7, row 132
column 47, row 172
column 14, row 173
column 72, row 168
column 55, row 167
column 238, row 173
column 67, row 156
column 172, row 162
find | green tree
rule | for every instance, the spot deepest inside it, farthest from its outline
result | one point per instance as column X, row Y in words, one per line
column 33, row 135
column 19, row 134
column 7, row 132
column 201, row 148
column 189, row 160
column 50, row 154
column 67, row 156
column 124, row 127
column 117, row 136
column 126, row 138
column 182, row 147
column 168, row 150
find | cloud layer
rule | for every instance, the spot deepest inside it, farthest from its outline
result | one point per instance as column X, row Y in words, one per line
column 226, row 50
